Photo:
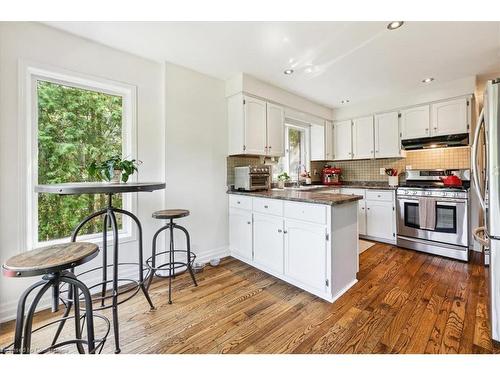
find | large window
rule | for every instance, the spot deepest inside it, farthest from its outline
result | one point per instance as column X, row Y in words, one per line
column 73, row 122
column 296, row 150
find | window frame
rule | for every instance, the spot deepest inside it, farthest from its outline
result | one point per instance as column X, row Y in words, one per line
column 306, row 129
column 31, row 73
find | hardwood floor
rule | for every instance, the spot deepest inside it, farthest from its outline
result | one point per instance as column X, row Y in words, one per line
column 404, row 302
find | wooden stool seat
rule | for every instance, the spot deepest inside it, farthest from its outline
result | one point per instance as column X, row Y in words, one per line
column 50, row 259
column 170, row 214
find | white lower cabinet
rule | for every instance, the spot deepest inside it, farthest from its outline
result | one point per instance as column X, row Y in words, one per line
column 295, row 242
column 268, row 241
column 379, row 219
column 305, row 253
column 376, row 215
column 240, row 232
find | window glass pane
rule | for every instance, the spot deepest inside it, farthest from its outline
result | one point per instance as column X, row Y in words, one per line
column 75, row 127
column 295, row 146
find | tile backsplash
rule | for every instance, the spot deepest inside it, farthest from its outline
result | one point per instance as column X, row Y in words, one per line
column 369, row 170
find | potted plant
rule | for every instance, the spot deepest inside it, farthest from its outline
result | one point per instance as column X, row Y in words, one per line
column 282, row 178
column 114, row 170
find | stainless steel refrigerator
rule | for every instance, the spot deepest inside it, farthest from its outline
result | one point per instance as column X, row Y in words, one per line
column 487, row 187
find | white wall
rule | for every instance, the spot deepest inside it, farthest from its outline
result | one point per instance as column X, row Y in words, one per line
column 425, row 93
column 48, row 46
column 298, row 106
column 196, row 139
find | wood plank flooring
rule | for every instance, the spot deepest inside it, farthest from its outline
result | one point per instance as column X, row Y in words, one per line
column 404, row 302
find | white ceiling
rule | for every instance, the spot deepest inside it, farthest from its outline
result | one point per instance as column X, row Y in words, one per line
column 353, row 60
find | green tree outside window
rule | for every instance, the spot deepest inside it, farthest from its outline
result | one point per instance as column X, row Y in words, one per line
column 75, row 127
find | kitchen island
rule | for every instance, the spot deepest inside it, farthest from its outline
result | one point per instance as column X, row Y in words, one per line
column 306, row 238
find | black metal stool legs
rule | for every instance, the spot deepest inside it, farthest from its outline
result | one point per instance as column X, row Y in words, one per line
column 24, row 322
column 188, row 249
column 172, row 264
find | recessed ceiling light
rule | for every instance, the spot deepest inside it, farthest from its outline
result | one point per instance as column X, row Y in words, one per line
column 395, row 25
column 288, row 71
column 345, row 101
column 428, row 80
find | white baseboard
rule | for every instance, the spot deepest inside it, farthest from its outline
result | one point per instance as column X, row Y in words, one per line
column 8, row 308
column 205, row 256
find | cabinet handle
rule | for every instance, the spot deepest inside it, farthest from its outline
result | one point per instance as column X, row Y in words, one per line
column 238, row 202
column 279, row 231
column 285, row 231
column 426, row 130
column 270, row 147
column 266, row 206
column 249, row 222
column 436, row 128
column 362, row 208
column 368, row 208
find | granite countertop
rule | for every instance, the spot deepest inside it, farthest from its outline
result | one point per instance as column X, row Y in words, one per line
column 319, row 196
column 367, row 185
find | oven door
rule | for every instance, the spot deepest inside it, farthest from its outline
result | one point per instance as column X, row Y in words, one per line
column 451, row 221
column 259, row 181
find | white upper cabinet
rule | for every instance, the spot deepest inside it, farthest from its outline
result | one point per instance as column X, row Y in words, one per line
column 387, row 142
column 275, row 130
column 415, row 122
column 450, row 117
column 328, row 140
column 255, row 126
column 362, row 138
column 342, row 140
column 318, row 149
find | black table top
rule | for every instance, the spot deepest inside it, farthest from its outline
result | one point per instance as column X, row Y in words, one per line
column 98, row 187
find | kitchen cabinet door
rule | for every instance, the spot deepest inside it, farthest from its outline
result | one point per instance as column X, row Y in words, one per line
column 255, row 126
column 305, row 253
column 362, row 217
column 361, row 208
column 268, row 242
column 362, row 138
column 380, row 219
column 317, row 142
column 342, row 140
column 450, row 117
column 415, row 122
column 328, row 140
column 240, row 233
column 387, row 141
column 275, row 130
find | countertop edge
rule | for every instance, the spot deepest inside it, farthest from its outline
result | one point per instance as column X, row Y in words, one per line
column 346, row 198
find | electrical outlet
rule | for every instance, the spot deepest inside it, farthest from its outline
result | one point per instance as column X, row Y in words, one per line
column 382, row 171
column 408, row 167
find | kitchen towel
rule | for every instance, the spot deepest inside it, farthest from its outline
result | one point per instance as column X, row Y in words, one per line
column 427, row 213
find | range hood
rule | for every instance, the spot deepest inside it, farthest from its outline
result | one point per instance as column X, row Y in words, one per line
column 453, row 140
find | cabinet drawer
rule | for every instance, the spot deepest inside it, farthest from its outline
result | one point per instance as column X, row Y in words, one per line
column 314, row 213
column 240, row 201
column 379, row 195
column 268, row 206
column 353, row 191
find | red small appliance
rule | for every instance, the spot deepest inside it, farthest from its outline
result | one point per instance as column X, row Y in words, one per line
column 331, row 175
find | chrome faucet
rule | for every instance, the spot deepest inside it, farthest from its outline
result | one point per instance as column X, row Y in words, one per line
column 298, row 174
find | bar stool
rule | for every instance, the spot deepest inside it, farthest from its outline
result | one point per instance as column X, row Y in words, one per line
column 172, row 265
column 53, row 262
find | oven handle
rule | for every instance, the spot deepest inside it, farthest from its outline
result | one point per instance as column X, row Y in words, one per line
column 447, row 202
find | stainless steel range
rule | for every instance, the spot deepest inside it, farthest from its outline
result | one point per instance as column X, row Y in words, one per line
column 432, row 217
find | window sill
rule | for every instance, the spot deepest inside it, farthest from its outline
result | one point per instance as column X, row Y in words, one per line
column 96, row 238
